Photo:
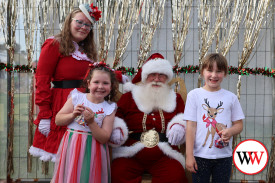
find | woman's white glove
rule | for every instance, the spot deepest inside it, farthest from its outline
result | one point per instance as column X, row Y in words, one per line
column 125, row 79
column 176, row 134
column 44, row 126
column 116, row 137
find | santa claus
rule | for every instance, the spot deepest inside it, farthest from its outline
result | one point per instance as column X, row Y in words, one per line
column 149, row 123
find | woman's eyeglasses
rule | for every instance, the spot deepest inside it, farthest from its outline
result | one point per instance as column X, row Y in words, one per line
column 80, row 24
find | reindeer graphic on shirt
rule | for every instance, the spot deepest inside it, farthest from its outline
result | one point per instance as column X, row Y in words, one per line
column 211, row 124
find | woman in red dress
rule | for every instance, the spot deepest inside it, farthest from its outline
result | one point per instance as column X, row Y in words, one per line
column 62, row 65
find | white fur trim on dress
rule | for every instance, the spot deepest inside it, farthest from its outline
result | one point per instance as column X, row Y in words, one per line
column 178, row 119
column 127, row 151
column 167, row 150
column 167, row 103
column 157, row 66
column 43, row 155
column 120, row 123
column 36, row 152
column 48, row 157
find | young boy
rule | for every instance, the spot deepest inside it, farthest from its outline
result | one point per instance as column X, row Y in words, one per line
column 213, row 116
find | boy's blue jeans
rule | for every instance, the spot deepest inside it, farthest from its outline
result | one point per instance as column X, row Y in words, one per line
column 220, row 169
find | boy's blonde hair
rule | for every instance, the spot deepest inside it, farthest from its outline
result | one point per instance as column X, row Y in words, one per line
column 208, row 60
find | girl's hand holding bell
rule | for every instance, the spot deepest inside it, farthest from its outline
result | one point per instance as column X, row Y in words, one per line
column 88, row 115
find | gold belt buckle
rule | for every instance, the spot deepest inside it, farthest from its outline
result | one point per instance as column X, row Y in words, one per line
column 150, row 138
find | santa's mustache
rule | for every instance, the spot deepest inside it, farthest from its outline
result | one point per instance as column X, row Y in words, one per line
column 155, row 83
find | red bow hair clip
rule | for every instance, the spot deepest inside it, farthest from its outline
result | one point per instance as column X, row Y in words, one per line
column 96, row 65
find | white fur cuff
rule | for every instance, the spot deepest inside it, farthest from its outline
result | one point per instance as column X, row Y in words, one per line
column 127, row 151
column 120, row 123
column 178, row 119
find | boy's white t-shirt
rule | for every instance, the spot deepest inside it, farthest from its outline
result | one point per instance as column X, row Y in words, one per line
column 101, row 110
column 226, row 109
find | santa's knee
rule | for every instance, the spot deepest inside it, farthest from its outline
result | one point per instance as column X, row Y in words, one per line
column 177, row 171
column 125, row 170
column 174, row 172
column 118, row 165
column 179, row 174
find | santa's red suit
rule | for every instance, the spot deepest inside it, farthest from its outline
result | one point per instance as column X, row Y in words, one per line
column 164, row 162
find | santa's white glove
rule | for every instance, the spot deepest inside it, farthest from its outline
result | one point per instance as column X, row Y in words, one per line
column 44, row 126
column 116, row 137
column 125, row 79
column 176, row 134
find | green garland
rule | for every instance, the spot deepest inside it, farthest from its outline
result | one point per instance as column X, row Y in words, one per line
column 16, row 68
column 185, row 69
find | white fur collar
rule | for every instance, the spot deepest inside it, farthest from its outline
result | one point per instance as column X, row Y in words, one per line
column 167, row 103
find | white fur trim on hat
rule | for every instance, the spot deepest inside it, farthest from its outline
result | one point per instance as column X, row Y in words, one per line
column 86, row 13
column 157, row 66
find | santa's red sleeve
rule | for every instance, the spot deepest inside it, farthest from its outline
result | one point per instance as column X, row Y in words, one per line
column 180, row 104
column 123, row 105
column 46, row 66
column 119, row 122
column 178, row 119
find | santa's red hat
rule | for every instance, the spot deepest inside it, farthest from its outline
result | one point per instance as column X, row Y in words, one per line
column 154, row 64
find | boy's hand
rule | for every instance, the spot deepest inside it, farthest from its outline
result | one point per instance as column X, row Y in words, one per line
column 88, row 115
column 225, row 135
column 191, row 164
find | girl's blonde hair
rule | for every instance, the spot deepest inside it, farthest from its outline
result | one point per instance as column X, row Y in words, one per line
column 66, row 43
column 208, row 60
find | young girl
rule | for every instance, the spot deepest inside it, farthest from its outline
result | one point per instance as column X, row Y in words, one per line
column 213, row 116
column 83, row 154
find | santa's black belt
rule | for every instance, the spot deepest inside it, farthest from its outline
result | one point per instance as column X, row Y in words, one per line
column 136, row 136
column 67, row 84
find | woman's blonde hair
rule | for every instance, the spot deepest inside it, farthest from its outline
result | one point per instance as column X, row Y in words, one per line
column 208, row 60
column 66, row 43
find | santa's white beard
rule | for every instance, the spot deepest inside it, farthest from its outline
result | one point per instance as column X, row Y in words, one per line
column 155, row 95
